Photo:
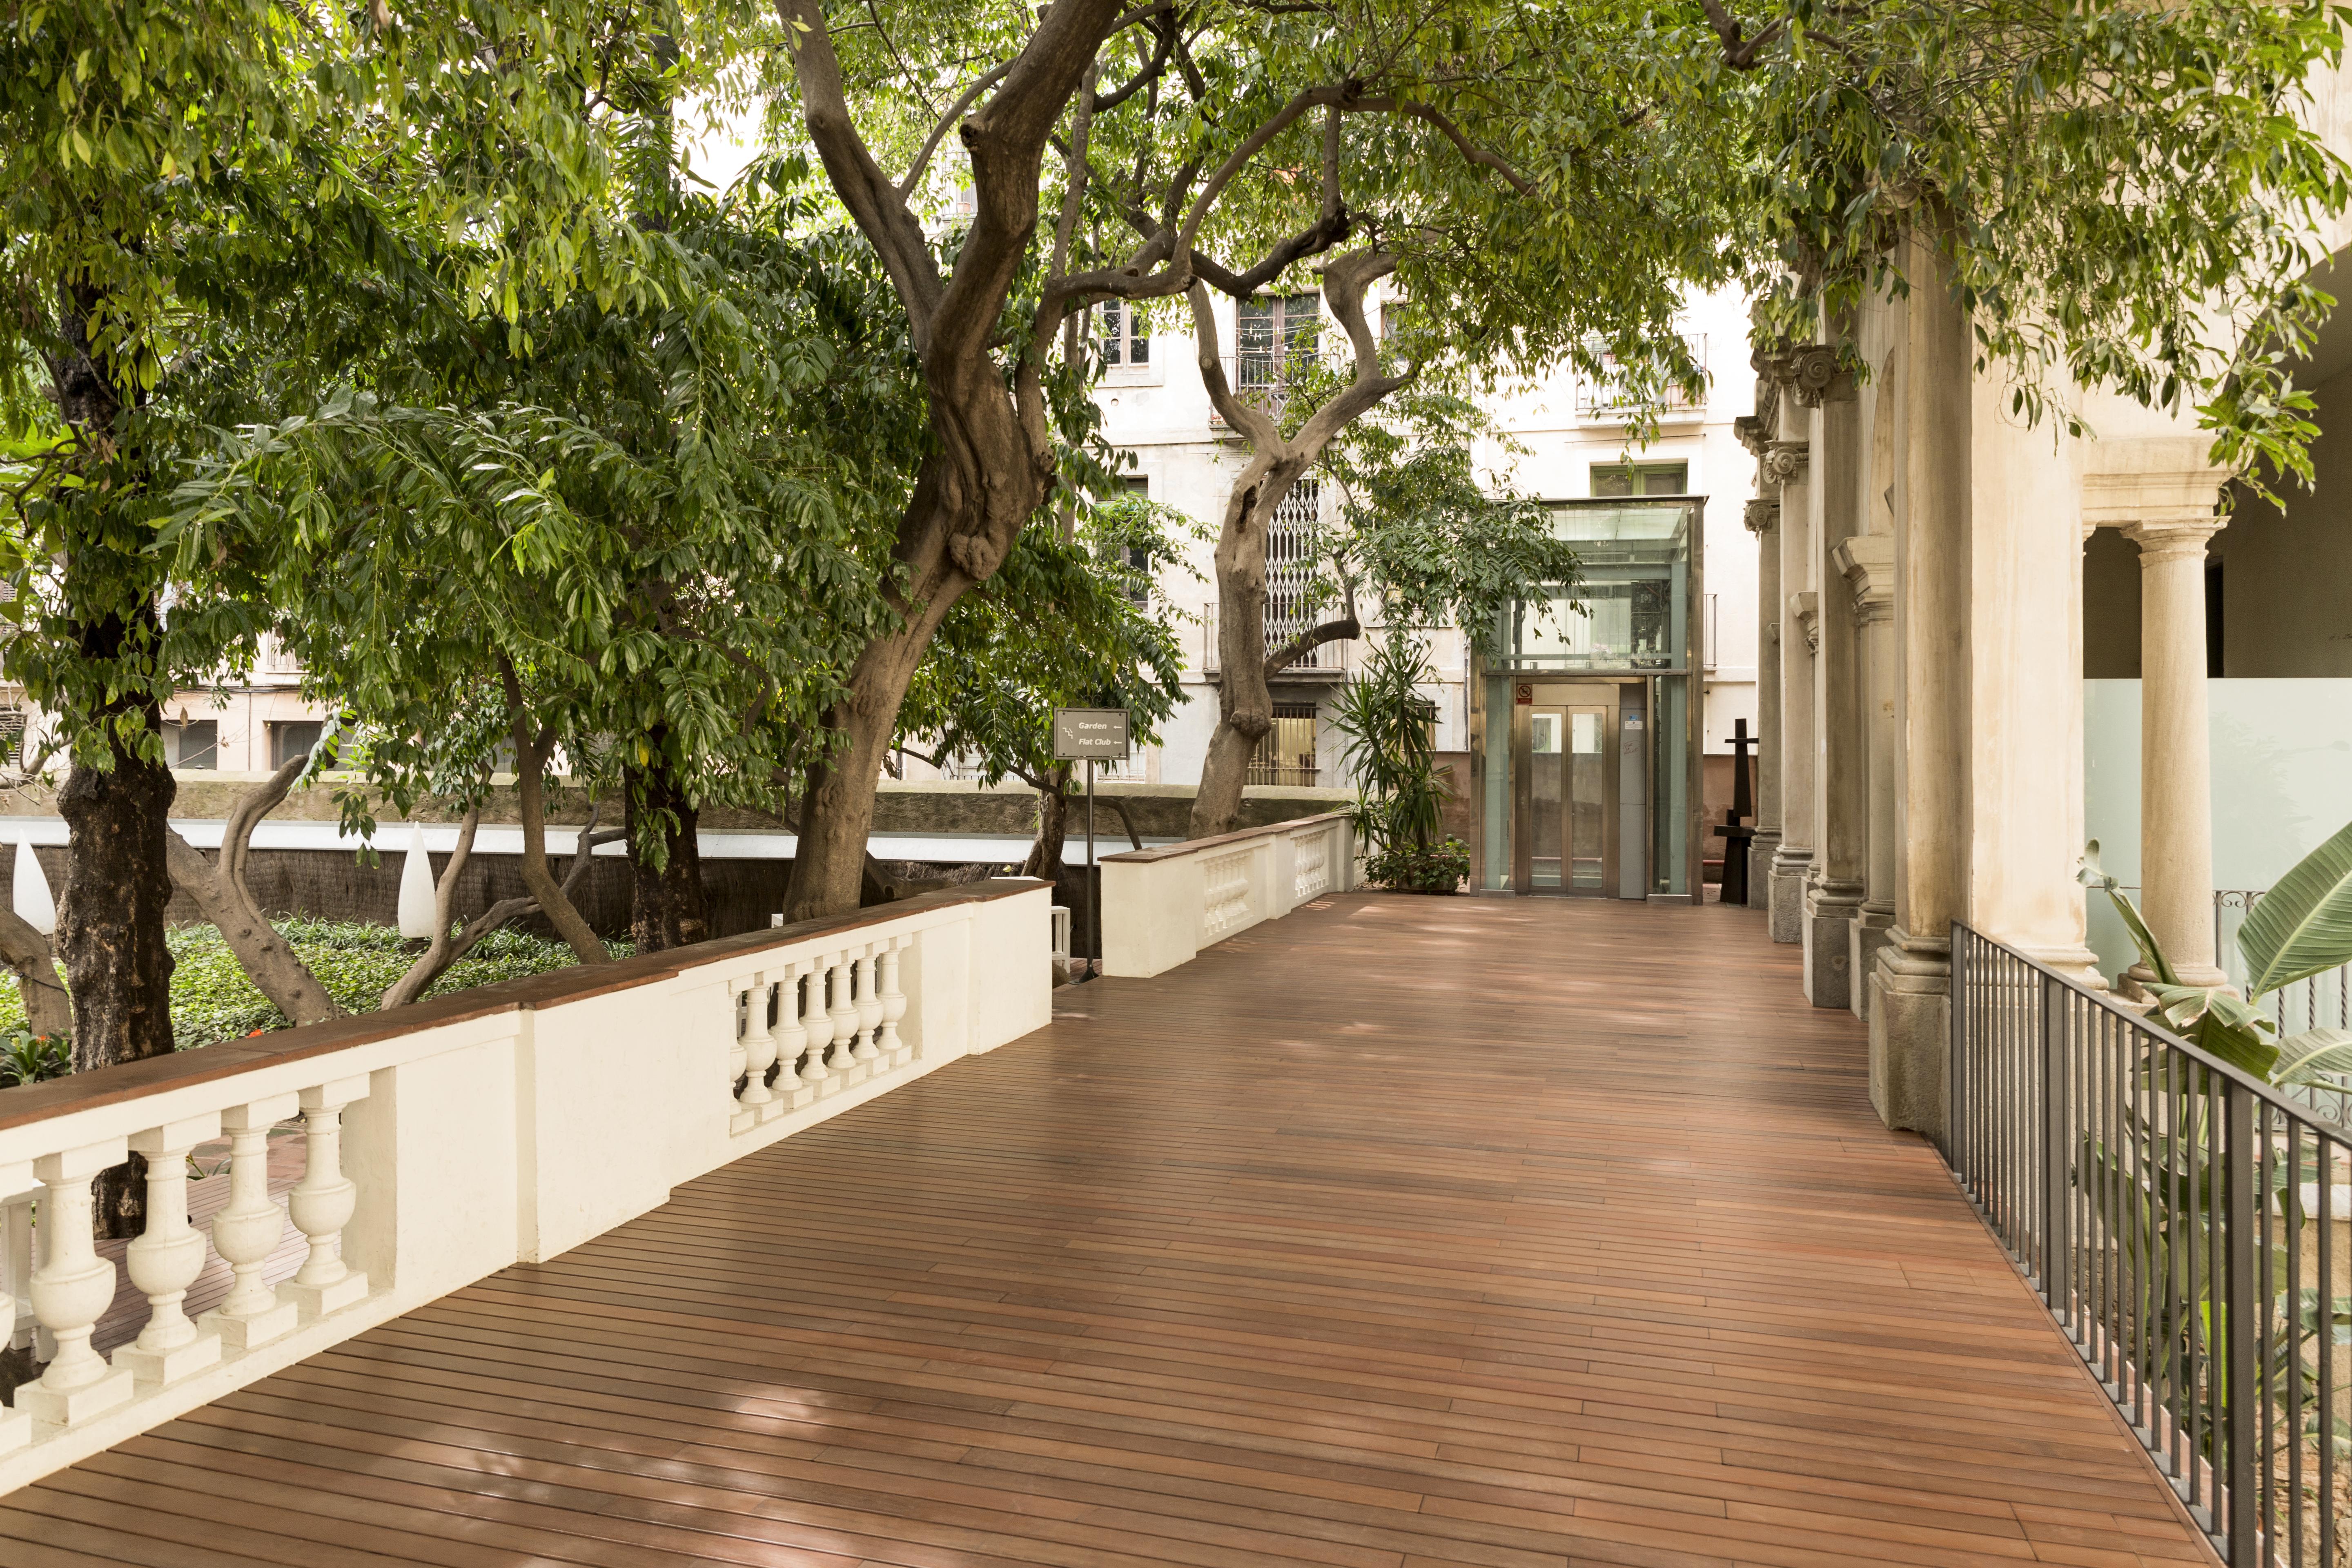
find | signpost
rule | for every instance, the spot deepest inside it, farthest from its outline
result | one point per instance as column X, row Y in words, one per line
column 1090, row 735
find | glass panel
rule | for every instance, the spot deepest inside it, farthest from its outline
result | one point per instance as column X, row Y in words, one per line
column 1544, row 780
column 1670, row 822
column 1589, row 802
column 1494, row 822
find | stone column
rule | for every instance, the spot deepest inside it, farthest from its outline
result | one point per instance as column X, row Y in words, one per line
column 2176, row 780
column 1867, row 563
column 1763, row 519
column 1841, row 783
column 1910, row 1003
column 1793, row 858
column 2025, row 691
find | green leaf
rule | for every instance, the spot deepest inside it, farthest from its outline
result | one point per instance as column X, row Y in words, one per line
column 2151, row 953
column 2303, row 926
column 2313, row 1055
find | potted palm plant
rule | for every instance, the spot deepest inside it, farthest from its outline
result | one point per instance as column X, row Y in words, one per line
column 1390, row 731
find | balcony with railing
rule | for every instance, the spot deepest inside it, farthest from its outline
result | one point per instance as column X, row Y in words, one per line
column 1607, row 399
column 1333, row 1227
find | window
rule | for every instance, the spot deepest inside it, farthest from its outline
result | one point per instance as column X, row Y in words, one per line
column 1126, row 337
column 1287, row 756
column 1138, row 558
column 191, row 744
column 1640, row 479
column 1292, row 603
column 289, row 739
column 1275, row 339
column 12, row 737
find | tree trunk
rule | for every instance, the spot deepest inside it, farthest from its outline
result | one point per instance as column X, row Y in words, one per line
column 440, row 952
column 836, row 812
column 110, row 935
column 1045, row 861
column 220, row 890
column 27, row 952
column 530, row 763
column 1244, row 699
column 668, row 907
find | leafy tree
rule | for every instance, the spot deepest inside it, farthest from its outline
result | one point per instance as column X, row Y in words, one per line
column 216, row 204
column 2117, row 194
column 1067, row 624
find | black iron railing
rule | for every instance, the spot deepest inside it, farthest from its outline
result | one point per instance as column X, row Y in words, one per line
column 2182, row 1221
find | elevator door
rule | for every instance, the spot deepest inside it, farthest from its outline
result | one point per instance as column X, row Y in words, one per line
column 1567, row 798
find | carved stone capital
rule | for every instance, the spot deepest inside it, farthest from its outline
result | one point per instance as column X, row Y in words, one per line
column 1752, row 432
column 1867, row 563
column 2172, row 539
column 1762, row 516
column 1817, row 376
column 1784, row 462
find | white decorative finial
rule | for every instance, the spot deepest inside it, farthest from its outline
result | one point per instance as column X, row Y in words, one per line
column 419, row 913
column 35, row 906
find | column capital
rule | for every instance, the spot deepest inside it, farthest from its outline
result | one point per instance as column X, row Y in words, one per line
column 1762, row 515
column 1784, row 463
column 1754, row 431
column 1807, row 609
column 1867, row 562
column 2172, row 538
column 1816, row 375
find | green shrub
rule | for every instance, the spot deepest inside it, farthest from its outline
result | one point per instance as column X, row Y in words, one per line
column 212, row 999
column 1404, row 870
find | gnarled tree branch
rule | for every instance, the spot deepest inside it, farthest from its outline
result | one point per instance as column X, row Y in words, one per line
column 221, row 891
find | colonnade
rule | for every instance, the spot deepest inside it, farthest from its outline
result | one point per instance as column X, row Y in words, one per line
column 1920, row 670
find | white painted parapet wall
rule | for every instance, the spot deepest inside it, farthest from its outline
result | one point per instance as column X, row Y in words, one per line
column 450, row 1139
column 1162, row 907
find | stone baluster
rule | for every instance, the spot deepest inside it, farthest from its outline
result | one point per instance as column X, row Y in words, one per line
column 18, row 1283
column 757, row 1048
column 16, row 1426
column 869, row 1009
column 894, row 1005
column 247, row 1231
column 72, row 1289
column 167, row 1258
column 843, row 1013
column 818, row 1028
column 792, row 1089
column 321, row 1204
column 739, row 1051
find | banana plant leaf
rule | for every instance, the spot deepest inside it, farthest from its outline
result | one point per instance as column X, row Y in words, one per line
column 2303, row 926
column 2151, row 953
column 2220, row 1024
column 2314, row 1056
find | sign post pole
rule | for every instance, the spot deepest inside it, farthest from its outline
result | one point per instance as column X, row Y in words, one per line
column 1093, row 892
column 1089, row 735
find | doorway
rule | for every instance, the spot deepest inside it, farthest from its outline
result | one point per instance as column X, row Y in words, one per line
column 1583, row 814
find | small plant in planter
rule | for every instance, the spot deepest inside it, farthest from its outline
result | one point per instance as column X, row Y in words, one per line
column 1390, row 730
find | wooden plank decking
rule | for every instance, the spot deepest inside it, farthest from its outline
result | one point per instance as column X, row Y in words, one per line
column 1401, row 1232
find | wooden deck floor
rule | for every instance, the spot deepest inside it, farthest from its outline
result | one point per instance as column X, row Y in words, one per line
column 1401, row 1232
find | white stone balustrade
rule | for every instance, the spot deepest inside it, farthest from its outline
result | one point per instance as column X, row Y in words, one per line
column 1162, row 907
column 167, row 1257
column 445, row 1141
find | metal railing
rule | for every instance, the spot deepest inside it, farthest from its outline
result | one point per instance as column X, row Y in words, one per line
column 2181, row 1219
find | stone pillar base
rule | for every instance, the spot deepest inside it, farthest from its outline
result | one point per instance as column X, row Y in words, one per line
column 1868, row 933
column 1830, row 909
column 1761, row 850
column 1788, row 893
column 1911, row 1031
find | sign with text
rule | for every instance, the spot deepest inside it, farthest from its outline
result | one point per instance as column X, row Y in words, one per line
column 1083, row 734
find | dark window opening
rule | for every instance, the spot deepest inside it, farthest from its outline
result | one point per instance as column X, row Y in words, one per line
column 191, row 744
column 1626, row 481
column 1287, row 756
column 293, row 738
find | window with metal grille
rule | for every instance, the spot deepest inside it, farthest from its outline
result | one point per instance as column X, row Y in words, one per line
column 1291, row 605
column 12, row 736
column 1287, row 756
column 1275, row 340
